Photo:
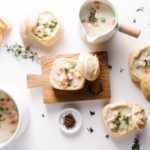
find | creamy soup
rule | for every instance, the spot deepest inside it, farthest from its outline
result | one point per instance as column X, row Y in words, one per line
column 8, row 117
column 66, row 76
column 97, row 18
column 142, row 63
column 119, row 119
column 46, row 26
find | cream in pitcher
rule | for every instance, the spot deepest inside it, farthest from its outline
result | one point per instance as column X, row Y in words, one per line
column 97, row 18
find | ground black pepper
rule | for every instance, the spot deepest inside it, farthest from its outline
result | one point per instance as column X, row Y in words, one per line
column 69, row 121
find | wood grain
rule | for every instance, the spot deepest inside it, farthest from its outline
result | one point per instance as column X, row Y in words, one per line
column 99, row 89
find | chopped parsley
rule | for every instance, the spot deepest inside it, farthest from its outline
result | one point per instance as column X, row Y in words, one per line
column 45, row 34
column 73, row 66
column 52, row 25
column 103, row 20
column 117, row 122
column 1, row 108
column 69, row 84
column 66, row 69
column 126, row 120
column 92, row 17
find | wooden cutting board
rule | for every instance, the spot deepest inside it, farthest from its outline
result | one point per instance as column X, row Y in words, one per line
column 99, row 89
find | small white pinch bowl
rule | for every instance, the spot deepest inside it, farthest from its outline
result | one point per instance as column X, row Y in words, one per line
column 77, row 117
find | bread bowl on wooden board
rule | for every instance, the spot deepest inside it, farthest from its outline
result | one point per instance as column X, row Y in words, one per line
column 98, row 89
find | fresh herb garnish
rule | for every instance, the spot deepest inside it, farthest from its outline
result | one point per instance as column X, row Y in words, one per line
column 140, row 9
column 1, row 108
column 69, row 84
column 73, row 66
column 136, row 145
column 20, row 51
column 52, row 25
column 90, row 130
column 2, row 99
column 1, row 115
column 45, row 25
column 92, row 113
column 116, row 121
column 66, row 69
column 92, row 17
column 109, row 67
column 83, row 20
column 121, row 70
column 103, row 20
column 126, row 120
column 45, row 34
column 134, row 20
column 146, row 63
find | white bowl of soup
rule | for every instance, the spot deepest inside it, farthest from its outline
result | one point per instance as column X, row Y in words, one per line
column 14, row 115
column 98, row 22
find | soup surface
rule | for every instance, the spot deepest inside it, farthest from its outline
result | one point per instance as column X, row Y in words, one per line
column 8, row 117
column 119, row 119
column 97, row 18
column 66, row 76
column 46, row 25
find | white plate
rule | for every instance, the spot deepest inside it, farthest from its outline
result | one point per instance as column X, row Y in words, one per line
column 77, row 117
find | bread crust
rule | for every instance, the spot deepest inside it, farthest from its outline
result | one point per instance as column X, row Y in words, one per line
column 132, row 57
column 145, row 86
column 88, row 66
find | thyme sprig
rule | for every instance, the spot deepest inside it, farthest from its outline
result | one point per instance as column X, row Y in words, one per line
column 23, row 52
column 92, row 17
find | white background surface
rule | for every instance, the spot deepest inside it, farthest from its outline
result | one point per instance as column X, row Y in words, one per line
column 43, row 133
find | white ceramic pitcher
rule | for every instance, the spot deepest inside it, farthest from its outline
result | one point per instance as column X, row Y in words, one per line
column 106, row 36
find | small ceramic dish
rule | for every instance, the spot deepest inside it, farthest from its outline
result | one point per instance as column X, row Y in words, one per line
column 78, row 120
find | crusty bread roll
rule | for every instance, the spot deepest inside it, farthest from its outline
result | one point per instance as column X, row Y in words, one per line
column 5, row 26
column 64, row 75
column 88, row 66
column 1, row 35
column 145, row 86
column 121, row 118
column 43, row 28
column 139, row 63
